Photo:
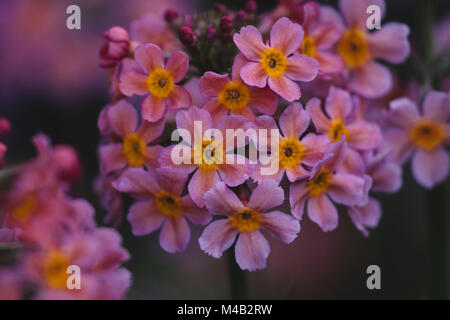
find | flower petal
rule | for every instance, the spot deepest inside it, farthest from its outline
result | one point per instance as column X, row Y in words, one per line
column 355, row 11
column 123, row 118
column 215, row 109
column 252, row 250
column 301, row 68
column 175, row 235
column 133, row 82
column 366, row 216
column 177, row 65
column 263, row 100
column 387, row 177
column 346, row 189
column 294, row 120
column 150, row 131
column 298, row 194
column 259, row 199
column 179, row 98
column 338, row 104
column 238, row 62
column 149, row 57
column 234, row 174
column 153, row 109
column 436, row 106
column 201, row 182
column 286, row 36
column 320, row 120
column 220, row 200
column 211, row 83
column 138, row 182
column 403, row 112
column 112, row 157
column 390, row 43
column 217, row 237
column 363, row 135
column 315, row 147
column 400, row 144
column 253, row 74
column 193, row 212
column 186, row 119
column 373, row 80
column 281, row 226
column 326, row 34
column 329, row 62
column 285, row 87
column 172, row 180
column 250, row 42
column 323, row 212
column 144, row 217
column 430, row 168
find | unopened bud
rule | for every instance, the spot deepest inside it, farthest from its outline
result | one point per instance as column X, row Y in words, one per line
column 226, row 25
column 251, row 6
column 170, row 15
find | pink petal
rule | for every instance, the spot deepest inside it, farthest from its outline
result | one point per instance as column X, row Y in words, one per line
column 323, row 212
column 403, row 112
column 212, row 83
column 373, row 80
column 329, row 62
column 185, row 119
column 390, row 43
column 193, row 212
column 354, row 11
column 285, row 87
column 366, row 216
column 165, row 158
column 264, row 100
column 175, row 235
column 387, row 177
column 217, row 237
column 149, row 57
column 172, row 180
column 122, row 118
column 400, row 144
column 346, row 189
column 245, row 112
column 430, row 168
column 238, row 62
column 153, row 109
column 233, row 122
column 286, row 36
column 436, row 106
column 112, row 157
column 320, row 120
column 144, row 217
column 258, row 176
column 259, row 199
column 363, row 135
column 326, row 34
column 133, row 82
column 234, row 174
column 302, row 68
column 353, row 162
column 298, row 193
column 250, row 43
column 338, row 104
column 281, row 226
column 215, row 109
column 152, row 156
column 220, row 200
column 179, row 98
column 253, row 74
column 177, row 65
column 150, row 131
column 252, row 250
column 138, row 182
column 294, row 120
column 201, row 182
column 296, row 173
column 315, row 147
column 338, row 150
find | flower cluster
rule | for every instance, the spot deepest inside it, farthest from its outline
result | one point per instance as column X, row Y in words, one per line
column 334, row 152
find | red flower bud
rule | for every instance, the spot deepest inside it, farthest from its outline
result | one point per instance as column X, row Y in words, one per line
column 187, row 37
column 251, row 6
column 116, row 47
column 226, row 25
column 170, row 15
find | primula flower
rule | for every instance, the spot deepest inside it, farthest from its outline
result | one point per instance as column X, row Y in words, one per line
column 423, row 135
column 161, row 204
column 207, row 174
column 340, row 120
column 157, row 79
column 247, row 221
column 133, row 149
column 325, row 182
column 276, row 64
column 359, row 48
column 116, row 48
column 235, row 96
column 293, row 153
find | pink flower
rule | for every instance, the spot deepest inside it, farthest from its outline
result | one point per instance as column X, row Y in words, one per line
column 3, row 150
column 423, row 135
column 366, row 216
column 247, row 221
column 295, row 156
column 235, row 96
column 320, row 37
column 157, row 79
column 132, row 148
column 161, row 204
column 207, row 174
column 340, row 120
column 327, row 182
column 277, row 63
column 116, row 48
column 359, row 48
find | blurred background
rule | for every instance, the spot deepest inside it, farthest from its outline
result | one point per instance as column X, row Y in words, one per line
column 50, row 82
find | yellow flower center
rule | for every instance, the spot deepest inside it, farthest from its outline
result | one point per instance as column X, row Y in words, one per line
column 274, row 62
column 320, row 182
column 168, row 204
column 427, row 134
column 234, row 96
column 246, row 220
column 54, row 269
column 353, row 48
column 134, row 150
column 23, row 211
column 337, row 129
column 207, row 160
column 160, row 83
column 290, row 152
column 309, row 47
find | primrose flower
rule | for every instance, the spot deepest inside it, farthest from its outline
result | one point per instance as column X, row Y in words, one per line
column 247, row 220
column 295, row 156
column 423, row 135
column 158, row 80
column 160, row 203
column 325, row 182
column 359, row 48
column 210, row 169
column 276, row 64
column 340, row 120
column 132, row 149
column 235, row 96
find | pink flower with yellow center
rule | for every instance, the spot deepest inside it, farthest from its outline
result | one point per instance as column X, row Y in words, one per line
column 247, row 221
column 157, row 79
column 423, row 135
column 235, row 96
column 161, row 204
column 276, row 63
column 131, row 148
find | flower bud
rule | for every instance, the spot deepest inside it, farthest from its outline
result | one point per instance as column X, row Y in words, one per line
column 226, row 25
column 5, row 126
column 170, row 15
column 251, row 6
column 187, row 37
column 220, row 8
column 116, row 47
column 66, row 163
column 210, row 33
column 240, row 16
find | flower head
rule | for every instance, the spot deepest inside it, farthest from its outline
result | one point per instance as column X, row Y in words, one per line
column 117, row 46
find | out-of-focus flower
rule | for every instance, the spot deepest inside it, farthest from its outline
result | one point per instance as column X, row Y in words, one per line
column 170, row 15
column 5, row 126
column 11, row 284
column 247, row 220
column 207, row 173
column 161, row 204
column 116, row 48
column 423, row 135
column 251, row 6
column 3, row 150
column 66, row 163
column 110, row 199
column 226, row 25
column 187, row 37
column 157, row 80
column 325, row 182
column 293, row 153
column 235, row 96
column 277, row 64
column 131, row 149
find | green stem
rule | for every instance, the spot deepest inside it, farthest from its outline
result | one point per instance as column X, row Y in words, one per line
column 238, row 285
